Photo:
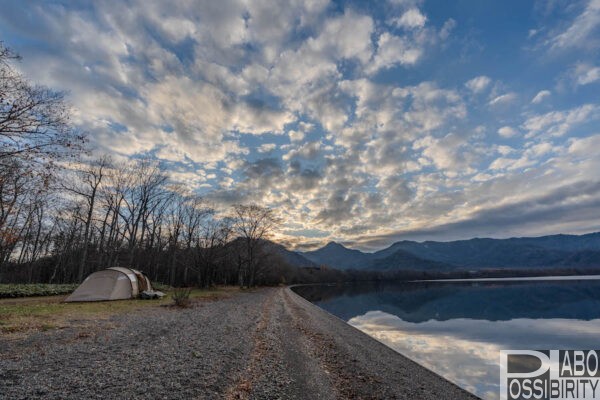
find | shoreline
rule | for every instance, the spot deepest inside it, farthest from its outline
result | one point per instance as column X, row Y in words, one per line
column 256, row 344
column 399, row 376
column 517, row 279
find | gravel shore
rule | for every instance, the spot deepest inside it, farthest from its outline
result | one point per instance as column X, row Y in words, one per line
column 261, row 344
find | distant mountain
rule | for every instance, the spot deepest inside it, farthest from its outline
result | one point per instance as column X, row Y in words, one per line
column 405, row 260
column 590, row 241
column 293, row 258
column 555, row 251
column 336, row 255
column 545, row 251
column 489, row 253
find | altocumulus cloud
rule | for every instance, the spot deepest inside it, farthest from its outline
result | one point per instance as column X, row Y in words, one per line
column 360, row 122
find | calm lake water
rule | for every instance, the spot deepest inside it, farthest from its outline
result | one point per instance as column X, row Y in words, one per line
column 457, row 328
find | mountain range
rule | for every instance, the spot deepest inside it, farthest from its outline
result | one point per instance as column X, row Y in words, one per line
column 555, row 251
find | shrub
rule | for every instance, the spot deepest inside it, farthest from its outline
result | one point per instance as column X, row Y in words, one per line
column 181, row 297
column 34, row 289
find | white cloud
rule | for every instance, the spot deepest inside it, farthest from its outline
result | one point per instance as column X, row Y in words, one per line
column 348, row 36
column 295, row 136
column 310, row 151
column 170, row 153
column 411, row 19
column 305, row 78
column 447, row 153
column 405, row 3
column 529, row 156
column 198, row 115
column 447, row 28
column 558, row 123
column 581, row 32
column 478, row 84
column 501, row 163
column 585, row 147
column 393, row 50
column 541, row 149
column 190, row 179
column 505, row 150
column 586, row 74
column 266, row 147
column 541, row 96
column 507, row 132
column 503, row 99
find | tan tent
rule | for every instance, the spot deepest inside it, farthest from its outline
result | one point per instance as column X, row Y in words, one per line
column 111, row 284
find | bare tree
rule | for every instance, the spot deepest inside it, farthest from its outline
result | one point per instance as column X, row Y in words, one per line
column 175, row 228
column 115, row 190
column 89, row 180
column 145, row 193
column 34, row 120
column 194, row 212
column 22, row 196
column 34, row 132
column 253, row 224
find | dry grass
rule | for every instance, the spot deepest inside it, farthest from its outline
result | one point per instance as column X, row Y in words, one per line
column 22, row 316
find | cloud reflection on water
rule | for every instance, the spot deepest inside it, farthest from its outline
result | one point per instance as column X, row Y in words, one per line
column 467, row 351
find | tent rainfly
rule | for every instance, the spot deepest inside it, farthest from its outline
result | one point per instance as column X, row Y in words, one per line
column 115, row 283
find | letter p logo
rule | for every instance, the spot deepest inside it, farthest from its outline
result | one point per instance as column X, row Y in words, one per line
column 517, row 365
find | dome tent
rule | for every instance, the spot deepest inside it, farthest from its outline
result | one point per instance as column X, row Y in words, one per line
column 115, row 283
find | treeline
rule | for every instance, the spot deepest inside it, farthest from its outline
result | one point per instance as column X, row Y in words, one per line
column 101, row 214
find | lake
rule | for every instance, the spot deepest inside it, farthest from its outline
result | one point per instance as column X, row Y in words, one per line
column 457, row 328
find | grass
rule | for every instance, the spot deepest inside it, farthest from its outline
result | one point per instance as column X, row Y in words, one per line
column 14, row 290
column 22, row 316
column 35, row 289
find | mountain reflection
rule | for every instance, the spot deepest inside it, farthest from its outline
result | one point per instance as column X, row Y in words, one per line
column 493, row 301
column 458, row 329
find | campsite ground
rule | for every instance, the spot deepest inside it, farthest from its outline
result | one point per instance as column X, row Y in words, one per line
column 23, row 316
column 264, row 343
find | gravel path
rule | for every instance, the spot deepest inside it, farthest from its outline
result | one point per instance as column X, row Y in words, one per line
column 263, row 344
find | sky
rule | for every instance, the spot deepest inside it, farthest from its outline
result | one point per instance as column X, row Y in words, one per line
column 360, row 122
